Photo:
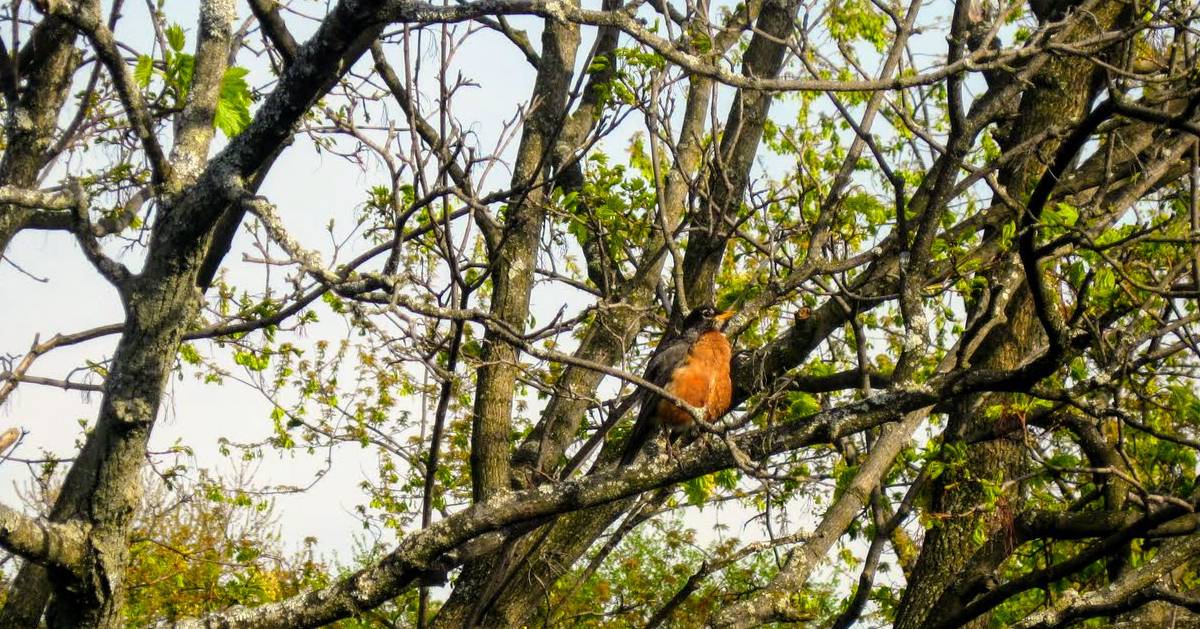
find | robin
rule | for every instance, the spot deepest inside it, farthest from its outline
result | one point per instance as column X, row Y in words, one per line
column 693, row 366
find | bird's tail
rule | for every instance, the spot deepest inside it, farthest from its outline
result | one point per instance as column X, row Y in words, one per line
column 643, row 431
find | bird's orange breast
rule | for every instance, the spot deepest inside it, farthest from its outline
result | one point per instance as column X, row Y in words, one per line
column 701, row 381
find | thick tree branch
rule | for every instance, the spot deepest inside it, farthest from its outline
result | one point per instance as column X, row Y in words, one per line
column 58, row 545
column 39, row 199
column 1133, row 588
column 773, row 603
column 1092, row 553
column 194, row 127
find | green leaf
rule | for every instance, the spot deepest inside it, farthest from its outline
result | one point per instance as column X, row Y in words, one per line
column 233, row 107
column 726, row 479
column 803, row 405
column 935, row 469
column 978, row 533
column 1104, row 281
column 252, row 361
column 179, row 75
column 699, row 489
column 1062, row 214
column 189, row 354
column 857, row 19
column 1009, row 231
column 175, row 37
column 144, row 70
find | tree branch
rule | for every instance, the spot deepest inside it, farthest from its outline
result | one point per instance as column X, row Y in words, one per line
column 39, row 199
column 426, row 551
column 267, row 14
column 979, row 60
column 59, row 545
column 85, row 16
column 1133, row 588
column 194, row 126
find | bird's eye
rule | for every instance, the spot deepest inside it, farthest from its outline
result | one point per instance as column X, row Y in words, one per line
column 708, row 312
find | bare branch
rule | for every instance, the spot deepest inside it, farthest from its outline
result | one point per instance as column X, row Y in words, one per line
column 267, row 13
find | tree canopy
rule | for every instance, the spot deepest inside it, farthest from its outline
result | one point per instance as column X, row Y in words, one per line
column 962, row 240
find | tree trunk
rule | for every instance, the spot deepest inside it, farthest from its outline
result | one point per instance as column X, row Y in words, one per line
column 1060, row 95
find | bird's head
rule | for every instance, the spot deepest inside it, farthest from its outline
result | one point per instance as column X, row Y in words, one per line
column 705, row 318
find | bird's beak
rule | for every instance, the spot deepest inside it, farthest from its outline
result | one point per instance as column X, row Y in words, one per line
column 724, row 316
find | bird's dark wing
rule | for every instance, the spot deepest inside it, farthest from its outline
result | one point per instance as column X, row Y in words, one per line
column 669, row 356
